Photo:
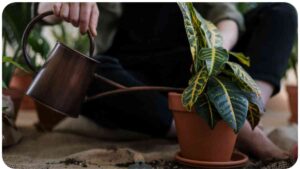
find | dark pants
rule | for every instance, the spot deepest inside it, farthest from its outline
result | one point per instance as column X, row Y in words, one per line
column 268, row 40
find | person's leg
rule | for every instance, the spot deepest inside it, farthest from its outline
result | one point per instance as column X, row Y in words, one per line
column 271, row 30
column 145, row 112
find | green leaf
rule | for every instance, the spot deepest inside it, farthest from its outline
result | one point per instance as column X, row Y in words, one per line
column 253, row 115
column 6, row 59
column 229, row 102
column 243, row 79
column 207, row 111
column 215, row 58
column 195, row 88
column 241, row 57
column 39, row 44
column 4, row 85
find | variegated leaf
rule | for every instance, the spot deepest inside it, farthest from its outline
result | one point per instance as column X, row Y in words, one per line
column 241, row 57
column 215, row 58
column 197, row 21
column 192, row 27
column 231, row 105
column 256, row 100
column 190, row 30
column 215, row 39
column 253, row 115
column 209, row 31
column 207, row 111
column 243, row 79
column 195, row 88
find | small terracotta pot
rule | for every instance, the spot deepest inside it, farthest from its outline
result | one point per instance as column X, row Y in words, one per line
column 293, row 100
column 21, row 81
column 197, row 141
column 47, row 117
column 16, row 97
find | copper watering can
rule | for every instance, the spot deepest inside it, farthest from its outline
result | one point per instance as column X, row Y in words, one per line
column 63, row 80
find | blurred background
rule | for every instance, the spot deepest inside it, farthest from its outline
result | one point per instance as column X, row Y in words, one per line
column 34, row 136
column 16, row 77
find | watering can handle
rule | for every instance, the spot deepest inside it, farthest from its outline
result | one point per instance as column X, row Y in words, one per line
column 27, row 33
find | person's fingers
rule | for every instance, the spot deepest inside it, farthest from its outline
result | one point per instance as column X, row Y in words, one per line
column 64, row 11
column 56, row 9
column 74, row 13
column 84, row 18
column 94, row 20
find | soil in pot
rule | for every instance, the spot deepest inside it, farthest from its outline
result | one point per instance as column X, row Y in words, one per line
column 16, row 97
column 196, row 139
column 293, row 100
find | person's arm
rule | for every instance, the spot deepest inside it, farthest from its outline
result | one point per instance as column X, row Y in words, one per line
column 229, row 31
column 82, row 15
column 226, row 17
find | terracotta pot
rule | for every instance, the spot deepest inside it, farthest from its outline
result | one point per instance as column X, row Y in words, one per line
column 16, row 97
column 293, row 100
column 197, row 141
column 21, row 81
column 48, row 118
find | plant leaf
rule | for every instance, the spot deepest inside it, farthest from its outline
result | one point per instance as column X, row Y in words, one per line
column 243, row 79
column 241, row 57
column 192, row 27
column 4, row 85
column 207, row 111
column 256, row 100
column 253, row 115
column 195, row 88
column 215, row 39
column 190, row 30
column 215, row 58
column 229, row 102
column 6, row 59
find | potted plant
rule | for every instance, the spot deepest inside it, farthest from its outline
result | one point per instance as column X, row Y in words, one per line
column 219, row 98
column 16, row 95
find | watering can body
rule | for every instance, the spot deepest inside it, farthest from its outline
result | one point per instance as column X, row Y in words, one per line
column 62, row 81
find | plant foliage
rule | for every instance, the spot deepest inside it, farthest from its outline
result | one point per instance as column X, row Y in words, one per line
column 218, row 89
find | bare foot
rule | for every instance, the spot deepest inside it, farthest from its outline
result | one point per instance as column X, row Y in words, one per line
column 256, row 143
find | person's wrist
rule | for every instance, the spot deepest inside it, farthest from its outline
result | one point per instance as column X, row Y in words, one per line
column 229, row 32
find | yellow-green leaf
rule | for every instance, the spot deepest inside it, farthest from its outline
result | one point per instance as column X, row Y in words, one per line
column 241, row 57
column 243, row 79
column 195, row 88
column 253, row 115
column 214, row 58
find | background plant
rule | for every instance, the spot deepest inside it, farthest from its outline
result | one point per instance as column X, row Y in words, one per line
column 15, row 18
column 218, row 88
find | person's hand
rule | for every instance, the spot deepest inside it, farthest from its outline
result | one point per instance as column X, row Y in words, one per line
column 229, row 33
column 82, row 15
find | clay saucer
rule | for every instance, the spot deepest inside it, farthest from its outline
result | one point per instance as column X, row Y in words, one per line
column 237, row 160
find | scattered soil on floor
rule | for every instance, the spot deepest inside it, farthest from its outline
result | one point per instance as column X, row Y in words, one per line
column 72, row 161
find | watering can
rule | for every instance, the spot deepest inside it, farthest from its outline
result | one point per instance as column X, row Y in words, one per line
column 62, row 82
